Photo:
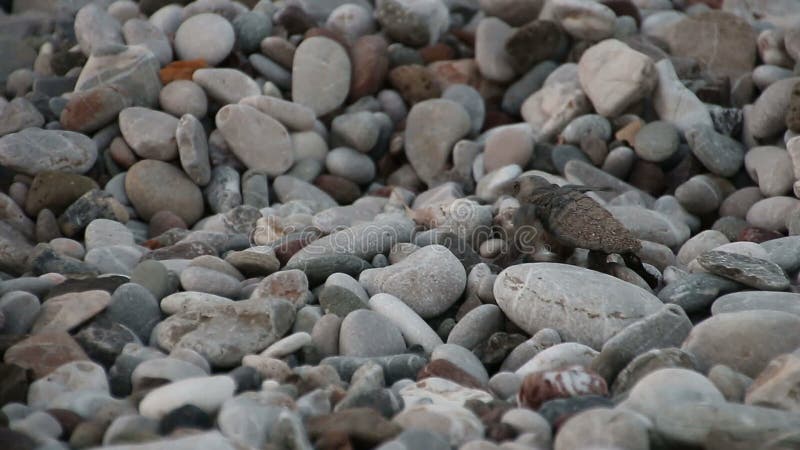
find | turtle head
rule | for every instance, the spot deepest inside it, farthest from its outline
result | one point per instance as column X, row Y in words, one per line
column 526, row 187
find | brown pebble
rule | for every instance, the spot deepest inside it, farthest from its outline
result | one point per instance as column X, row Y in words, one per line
column 648, row 177
column 279, row 50
column 163, row 221
column 341, row 189
column 595, row 148
column 441, row 368
column 180, row 70
column 47, row 226
column 457, row 71
column 68, row 420
column 370, row 65
column 294, row 19
column 56, row 191
column 415, row 83
column 793, row 112
column 496, row 118
column 533, row 43
column 121, row 153
column 437, row 52
column 758, row 235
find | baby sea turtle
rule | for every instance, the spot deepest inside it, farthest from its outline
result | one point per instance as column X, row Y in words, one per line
column 575, row 220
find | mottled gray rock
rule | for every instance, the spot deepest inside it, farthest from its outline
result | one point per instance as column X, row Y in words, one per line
column 20, row 309
column 754, row 272
column 132, row 70
column 223, row 189
column 657, row 394
column 363, row 240
column 259, row 323
column 749, row 300
column 656, row 141
column 193, row 149
column 696, row 291
column 35, row 150
column 342, row 294
column 415, row 23
column 18, row 115
column 665, row 328
column 719, row 153
column 94, row 28
column 429, row 280
column 350, row 164
column 395, row 367
column 745, row 341
column 365, row 334
column 476, row 326
column 536, row 296
column 609, row 428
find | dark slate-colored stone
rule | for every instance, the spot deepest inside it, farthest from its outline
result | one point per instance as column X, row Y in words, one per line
column 104, row 339
column 188, row 416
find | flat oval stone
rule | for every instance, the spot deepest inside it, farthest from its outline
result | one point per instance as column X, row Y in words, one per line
column 749, row 300
column 188, row 300
column 429, row 280
column 293, row 115
column 226, row 86
column 754, row 272
column 415, row 330
column 320, row 75
column 582, row 305
column 154, row 186
column 207, row 393
column 35, row 150
column 150, row 133
column 719, row 153
column 432, row 129
column 67, row 311
column 183, row 97
column 257, row 139
column 205, row 36
column 193, row 149
column 366, row 333
column 745, row 341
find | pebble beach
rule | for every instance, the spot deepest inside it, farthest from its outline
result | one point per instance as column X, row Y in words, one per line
column 285, row 224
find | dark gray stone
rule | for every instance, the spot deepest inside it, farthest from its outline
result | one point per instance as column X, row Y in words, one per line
column 696, row 291
column 135, row 307
column 395, row 367
column 754, row 272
